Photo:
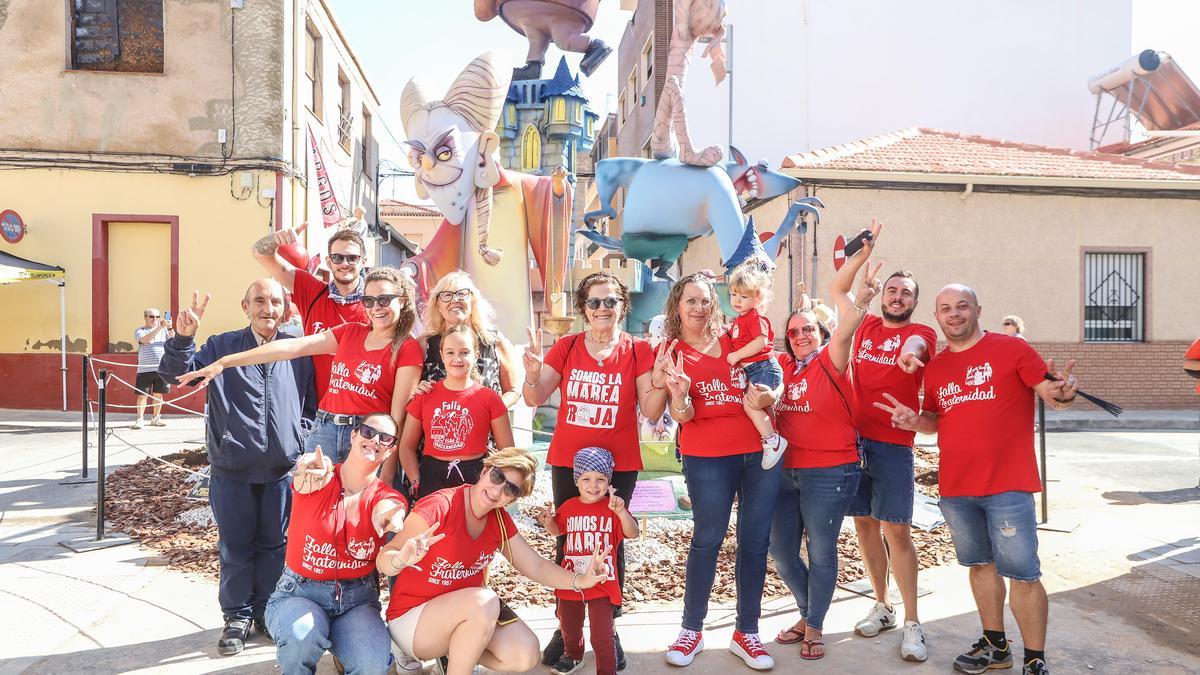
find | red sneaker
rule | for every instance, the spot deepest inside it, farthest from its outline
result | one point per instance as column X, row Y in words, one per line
column 749, row 648
column 686, row 646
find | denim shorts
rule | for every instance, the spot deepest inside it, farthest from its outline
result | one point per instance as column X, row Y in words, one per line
column 885, row 492
column 1000, row 529
column 766, row 372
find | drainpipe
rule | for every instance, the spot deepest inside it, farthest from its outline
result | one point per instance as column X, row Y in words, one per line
column 967, row 191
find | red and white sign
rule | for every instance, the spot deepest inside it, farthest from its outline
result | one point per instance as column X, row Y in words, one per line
column 331, row 213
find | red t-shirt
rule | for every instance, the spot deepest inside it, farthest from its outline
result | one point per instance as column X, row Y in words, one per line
column 719, row 426
column 1193, row 352
column 588, row 526
column 812, row 416
column 599, row 400
column 325, row 541
column 456, row 562
column 456, row 423
column 747, row 326
column 876, row 348
column 361, row 381
column 984, row 400
column 325, row 314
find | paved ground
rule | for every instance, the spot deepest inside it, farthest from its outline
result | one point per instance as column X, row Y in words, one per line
column 1124, row 581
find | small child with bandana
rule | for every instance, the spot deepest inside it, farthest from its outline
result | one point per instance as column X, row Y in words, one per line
column 595, row 520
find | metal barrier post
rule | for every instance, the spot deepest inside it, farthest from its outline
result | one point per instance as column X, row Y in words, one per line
column 83, row 405
column 1041, row 410
column 102, row 394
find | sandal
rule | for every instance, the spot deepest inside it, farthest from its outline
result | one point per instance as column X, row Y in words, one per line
column 806, row 649
column 784, row 635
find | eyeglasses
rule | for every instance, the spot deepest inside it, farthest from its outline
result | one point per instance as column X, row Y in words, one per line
column 794, row 333
column 152, row 316
column 460, row 294
column 369, row 301
column 498, row 478
column 371, row 433
column 339, row 258
column 609, row 303
column 1008, row 323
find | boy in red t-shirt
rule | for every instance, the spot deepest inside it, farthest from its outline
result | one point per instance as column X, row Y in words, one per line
column 753, row 348
column 595, row 520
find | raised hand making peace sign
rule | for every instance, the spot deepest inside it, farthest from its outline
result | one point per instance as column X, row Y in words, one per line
column 414, row 550
column 533, row 357
column 662, row 361
column 597, row 571
column 188, row 320
column 678, row 381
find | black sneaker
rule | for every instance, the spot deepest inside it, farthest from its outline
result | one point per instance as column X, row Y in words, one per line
column 1035, row 667
column 566, row 665
column 983, row 656
column 620, row 652
column 233, row 638
column 553, row 651
column 260, row 625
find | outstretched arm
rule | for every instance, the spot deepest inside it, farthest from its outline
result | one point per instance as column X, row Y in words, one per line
column 852, row 309
column 275, row 350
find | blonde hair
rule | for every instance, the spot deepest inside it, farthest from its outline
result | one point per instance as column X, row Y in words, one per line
column 752, row 276
column 482, row 318
column 473, row 338
column 518, row 460
column 1017, row 321
column 408, row 311
column 716, row 320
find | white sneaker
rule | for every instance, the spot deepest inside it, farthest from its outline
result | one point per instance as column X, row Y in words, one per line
column 773, row 447
column 404, row 663
column 912, row 646
column 686, row 646
column 138, row 424
column 880, row 618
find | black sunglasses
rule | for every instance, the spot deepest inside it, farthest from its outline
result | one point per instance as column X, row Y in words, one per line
column 339, row 258
column 498, row 478
column 371, row 433
column 460, row 294
column 609, row 303
column 1008, row 323
column 369, row 301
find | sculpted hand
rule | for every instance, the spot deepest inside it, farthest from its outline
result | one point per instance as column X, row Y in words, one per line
column 903, row 417
column 909, row 363
column 190, row 317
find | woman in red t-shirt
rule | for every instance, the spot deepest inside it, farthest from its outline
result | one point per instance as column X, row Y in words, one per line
column 375, row 368
column 440, row 605
column 602, row 375
column 328, row 596
column 454, row 418
column 822, row 461
column 722, row 457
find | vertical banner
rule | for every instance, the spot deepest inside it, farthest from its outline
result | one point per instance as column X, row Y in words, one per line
column 331, row 213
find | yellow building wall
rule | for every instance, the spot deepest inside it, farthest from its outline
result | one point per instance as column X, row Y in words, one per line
column 215, row 234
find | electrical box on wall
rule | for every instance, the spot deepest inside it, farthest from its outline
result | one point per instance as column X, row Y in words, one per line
column 237, row 4
column 221, row 137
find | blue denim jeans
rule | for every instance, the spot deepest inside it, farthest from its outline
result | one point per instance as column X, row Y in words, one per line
column 812, row 504
column 1000, row 528
column 712, row 484
column 307, row 617
column 334, row 440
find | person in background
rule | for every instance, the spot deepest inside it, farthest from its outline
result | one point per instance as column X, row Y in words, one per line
column 1013, row 325
column 150, row 338
column 253, row 437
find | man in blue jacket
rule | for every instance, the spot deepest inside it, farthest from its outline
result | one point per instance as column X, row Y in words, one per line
column 254, row 435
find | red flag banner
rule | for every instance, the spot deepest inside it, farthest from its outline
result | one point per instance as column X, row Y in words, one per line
column 331, row 213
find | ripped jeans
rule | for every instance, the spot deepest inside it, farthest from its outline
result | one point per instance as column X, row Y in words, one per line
column 1000, row 528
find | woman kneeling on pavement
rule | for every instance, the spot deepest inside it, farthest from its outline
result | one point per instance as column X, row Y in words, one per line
column 328, row 596
column 440, row 605
column 722, row 458
column 822, row 461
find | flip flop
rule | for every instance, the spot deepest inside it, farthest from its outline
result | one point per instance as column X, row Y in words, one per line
column 806, row 654
column 783, row 639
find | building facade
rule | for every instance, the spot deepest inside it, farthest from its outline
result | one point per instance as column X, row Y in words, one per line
column 149, row 143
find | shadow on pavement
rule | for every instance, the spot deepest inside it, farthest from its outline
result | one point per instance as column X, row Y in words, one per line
column 1131, row 498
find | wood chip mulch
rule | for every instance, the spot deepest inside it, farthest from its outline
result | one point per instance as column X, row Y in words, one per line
column 144, row 500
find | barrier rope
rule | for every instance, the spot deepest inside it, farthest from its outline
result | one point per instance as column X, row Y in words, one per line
column 170, row 402
column 535, row 431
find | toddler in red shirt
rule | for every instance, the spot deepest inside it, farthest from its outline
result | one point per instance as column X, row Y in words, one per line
column 753, row 348
column 594, row 521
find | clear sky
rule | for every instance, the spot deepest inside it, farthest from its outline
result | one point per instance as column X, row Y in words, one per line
column 395, row 39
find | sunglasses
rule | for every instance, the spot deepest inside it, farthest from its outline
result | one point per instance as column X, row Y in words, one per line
column 794, row 333
column 1008, row 323
column 498, row 478
column 372, row 434
column 369, row 301
column 594, row 303
column 460, row 294
column 151, row 316
column 339, row 258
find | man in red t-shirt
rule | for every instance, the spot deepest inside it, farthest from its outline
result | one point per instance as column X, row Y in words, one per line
column 322, row 305
column 1191, row 362
column 979, row 400
column 889, row 356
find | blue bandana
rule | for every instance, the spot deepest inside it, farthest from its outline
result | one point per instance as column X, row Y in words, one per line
column 350, row 298
column 593, row 459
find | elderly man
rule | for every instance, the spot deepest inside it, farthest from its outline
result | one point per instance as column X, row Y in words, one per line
column 253, row 438
column 889, row 356
column 150, row 338
column 979, row 400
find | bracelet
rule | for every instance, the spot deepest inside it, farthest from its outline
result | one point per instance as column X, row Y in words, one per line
column 575, row 582
column 655, row 387
column 861, row 310
column 687, row 403
column 400, row 564
column 532, row 384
